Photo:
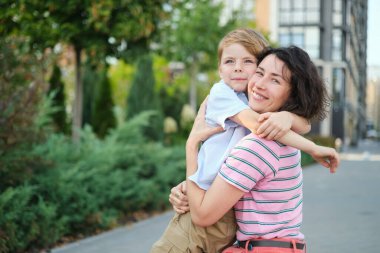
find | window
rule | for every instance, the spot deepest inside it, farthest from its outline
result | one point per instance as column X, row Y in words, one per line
column 299, row 12
column 312, row 37
column 337, row 42
column 307, row 38
column 338, row 13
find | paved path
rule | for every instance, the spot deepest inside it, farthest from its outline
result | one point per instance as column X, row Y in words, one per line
column 341, row 211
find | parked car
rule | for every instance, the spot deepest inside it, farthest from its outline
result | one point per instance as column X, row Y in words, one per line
column 372, row 134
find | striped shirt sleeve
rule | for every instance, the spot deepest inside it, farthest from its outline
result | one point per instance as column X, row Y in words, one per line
column 251, row 160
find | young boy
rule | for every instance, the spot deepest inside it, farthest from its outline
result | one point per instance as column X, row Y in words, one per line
column 227, row 107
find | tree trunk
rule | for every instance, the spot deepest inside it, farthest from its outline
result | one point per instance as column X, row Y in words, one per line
column 78, row 100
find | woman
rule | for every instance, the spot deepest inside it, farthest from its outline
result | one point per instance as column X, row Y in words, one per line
column 262, row 179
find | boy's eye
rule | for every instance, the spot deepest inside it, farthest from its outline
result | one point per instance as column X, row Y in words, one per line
column 250, row 61
column 229, row 61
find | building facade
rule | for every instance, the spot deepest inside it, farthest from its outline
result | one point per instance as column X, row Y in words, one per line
column 372, row 99
column 334, row 33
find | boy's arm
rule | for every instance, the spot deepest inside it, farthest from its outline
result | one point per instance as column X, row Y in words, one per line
column 248, row 118
column 326, row 156
column 281, row 122
column 300, row 125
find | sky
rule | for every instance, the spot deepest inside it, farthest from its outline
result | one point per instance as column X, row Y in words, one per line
column 373, row 33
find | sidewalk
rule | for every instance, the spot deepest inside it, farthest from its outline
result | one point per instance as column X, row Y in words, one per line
column 341, row 211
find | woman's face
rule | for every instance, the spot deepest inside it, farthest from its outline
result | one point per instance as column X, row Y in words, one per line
column 269, row 87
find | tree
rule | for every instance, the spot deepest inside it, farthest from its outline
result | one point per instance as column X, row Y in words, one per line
column 102, row 115
column 56, row 88
column 21, row 93
column 142, row 97
column 96, row 28
column 90, row 80
column 192, row 36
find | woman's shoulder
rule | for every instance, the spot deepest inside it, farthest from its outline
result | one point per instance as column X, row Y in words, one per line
column 252, row 140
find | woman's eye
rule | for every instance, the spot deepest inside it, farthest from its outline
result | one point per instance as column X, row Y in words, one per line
column 276, row 81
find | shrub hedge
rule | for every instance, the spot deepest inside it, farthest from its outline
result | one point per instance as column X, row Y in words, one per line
column 88, row 186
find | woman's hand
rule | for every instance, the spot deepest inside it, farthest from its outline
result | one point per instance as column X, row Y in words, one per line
column 178, row 198
column 274, row 125
column 201, row 131
column 326, row 156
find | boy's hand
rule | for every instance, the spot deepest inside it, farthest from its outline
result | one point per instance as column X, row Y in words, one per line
column 274, row 125
column 178, row 198
column 201, row 131
column 326, row 156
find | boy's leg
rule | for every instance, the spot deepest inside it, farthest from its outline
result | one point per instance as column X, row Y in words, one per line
column 214, row 238
column 182, row 235
column 176, row 236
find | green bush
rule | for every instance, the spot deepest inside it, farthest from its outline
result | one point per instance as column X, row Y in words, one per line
column 26, row 220
column 88, row 186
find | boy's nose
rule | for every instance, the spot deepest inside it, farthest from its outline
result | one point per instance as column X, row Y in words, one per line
column 238, row 67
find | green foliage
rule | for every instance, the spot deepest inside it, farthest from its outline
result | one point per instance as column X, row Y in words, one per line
column 56, row 88
column 142, row 97
column 86, row 24
column 103, row 117
column 26, row 220
column 120, row 75
column 89, row 185
column 90, row 79
column 23, row 111
column 173, row 98
column 181, row 38
column 93, row 28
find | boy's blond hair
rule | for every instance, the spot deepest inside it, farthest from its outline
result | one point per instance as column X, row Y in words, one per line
column 251, row 40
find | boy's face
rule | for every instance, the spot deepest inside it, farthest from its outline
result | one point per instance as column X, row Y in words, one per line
column 237, row 66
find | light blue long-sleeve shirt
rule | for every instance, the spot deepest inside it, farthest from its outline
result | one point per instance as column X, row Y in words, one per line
column 223, row 103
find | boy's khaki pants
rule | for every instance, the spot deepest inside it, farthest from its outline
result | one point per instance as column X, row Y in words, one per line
column 182, row 235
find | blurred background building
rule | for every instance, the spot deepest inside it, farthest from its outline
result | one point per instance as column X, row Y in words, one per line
column 373, row 102
column 334, row 33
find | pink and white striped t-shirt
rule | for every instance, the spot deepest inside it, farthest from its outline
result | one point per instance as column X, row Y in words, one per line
column 270, row 174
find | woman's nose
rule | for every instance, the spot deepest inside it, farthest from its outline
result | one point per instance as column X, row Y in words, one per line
column 260, row 83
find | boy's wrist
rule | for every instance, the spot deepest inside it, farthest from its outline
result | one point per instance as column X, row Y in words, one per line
column 311, row 148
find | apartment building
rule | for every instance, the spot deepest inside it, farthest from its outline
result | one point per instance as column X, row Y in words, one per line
column 334, row 33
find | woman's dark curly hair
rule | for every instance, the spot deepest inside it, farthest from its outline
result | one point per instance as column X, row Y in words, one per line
column 308, row 97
